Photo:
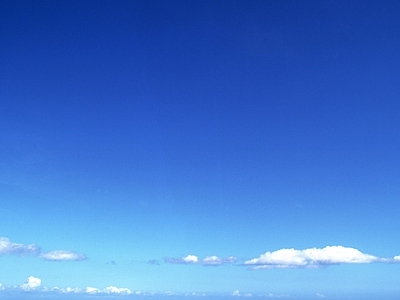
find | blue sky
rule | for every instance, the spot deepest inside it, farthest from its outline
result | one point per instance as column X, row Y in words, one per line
column 211, row 147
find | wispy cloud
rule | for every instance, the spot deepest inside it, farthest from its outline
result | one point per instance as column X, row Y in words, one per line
column 61, row 255
column 11, row 248
column 153, row 262
column 207, row 261
column 312, row 257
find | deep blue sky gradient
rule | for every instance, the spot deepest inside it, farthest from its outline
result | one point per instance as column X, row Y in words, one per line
column 139, row 130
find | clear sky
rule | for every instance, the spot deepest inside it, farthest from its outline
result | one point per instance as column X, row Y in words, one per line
column 220, row 147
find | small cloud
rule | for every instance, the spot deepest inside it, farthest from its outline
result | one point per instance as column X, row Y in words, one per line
column 235, row 293
column 320, row 295
column 62, row 255
column 170, row 293
column 7, row 247
column 190, row 259
column 313, row 257
column 115, row 290
column 194, row 294
column 92, row 290
column 207, row 261
column 153, row 262
column 31, row 283
column 70, row 290
column 216, row 261
column 270, row 295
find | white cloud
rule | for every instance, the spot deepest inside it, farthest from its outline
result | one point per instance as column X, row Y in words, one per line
column 216, row 261
column 109, row 290
column 170, row 293
column 65, row 290
column 207, row 261
column 235, row 293
column 190, row 259
column 35, row 284
column 115, row 290
column 61, row 255
column 313, row 257
column 7, row 247
column 92, row 290
column 396, row 258
column 72, row 290
column 31, row 283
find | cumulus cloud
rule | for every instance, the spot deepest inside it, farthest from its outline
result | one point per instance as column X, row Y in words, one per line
column 62, row 255
column 313, row 257
column 31, row 283
column 8, row 247
column 207, row 261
